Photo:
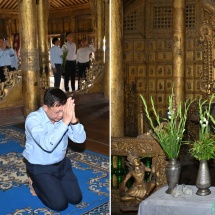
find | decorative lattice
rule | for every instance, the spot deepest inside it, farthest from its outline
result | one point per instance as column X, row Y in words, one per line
column 130, row 22
column 190, row 16
column 163, row 17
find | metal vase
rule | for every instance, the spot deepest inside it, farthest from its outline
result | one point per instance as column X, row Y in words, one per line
column 173, row 170
column 203, row 181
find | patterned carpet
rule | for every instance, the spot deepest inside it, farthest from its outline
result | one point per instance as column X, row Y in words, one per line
column 91, row 169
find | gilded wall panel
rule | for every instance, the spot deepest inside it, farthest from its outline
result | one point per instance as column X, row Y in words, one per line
column 189, row 44
column 199, row 70
column 151, row 45
column 128, row 45
column 160, row 85
column 128, row 56
column 169, row 85
column 168, row 44
column 168, row 71
column 165, row 56
column 160, row 45
column 160, row 71
column 189, row 55
column 189, row 73
column 152, row 71
column 160, row 99
column 139, row 45
column 139, row 56
column 189, row 86
column 132, row 71
column 190, row 96
column 141, row 71
column 152, row 85
column 197, row 85
column 152, row 56
column 140, row 85
column 198, row 55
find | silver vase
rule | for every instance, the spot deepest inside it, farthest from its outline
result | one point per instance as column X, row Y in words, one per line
column 173, row 170
column 203, row 181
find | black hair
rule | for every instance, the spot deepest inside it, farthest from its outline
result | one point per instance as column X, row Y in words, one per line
column 54, row 40
column 54, row 97
column 68, row 33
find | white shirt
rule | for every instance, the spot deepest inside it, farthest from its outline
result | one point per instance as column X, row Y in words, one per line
column 70, row 48
column 83, row 54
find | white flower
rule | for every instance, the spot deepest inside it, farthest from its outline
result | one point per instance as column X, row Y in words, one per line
column 204, row 122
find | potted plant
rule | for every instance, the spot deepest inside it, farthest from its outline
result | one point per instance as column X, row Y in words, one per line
column 203, row 149
column 169, row 134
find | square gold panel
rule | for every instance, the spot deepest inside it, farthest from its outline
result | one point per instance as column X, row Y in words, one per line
column 189, row 86
column 169, row 85
column 139, row 56
column 169, row 44
column 128, row 45
column 160, row 71
column 197, row 86
column 141, row 71
column 128, row 57
column 160, row 85
column 152, row 71
column 198, row 55
column 168, row 70
column 199, row 70
column 189, row 71
column 152, row 85
column 132, row 71
column 189, row 44
column 189, row 55
column 164, row 55
column 140, row 84
column 160, row 99
column 151, row 45
column 160, row 44
column 152, row 56
column 139, row 45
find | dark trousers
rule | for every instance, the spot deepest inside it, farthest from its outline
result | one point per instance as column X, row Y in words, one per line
column 82, row 69
column 2, row 76
column 70, row 71
column 55, row 185
column 57, row 75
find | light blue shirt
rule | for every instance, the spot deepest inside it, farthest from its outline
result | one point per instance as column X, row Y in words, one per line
column 46, row 142
column 5, row 56
column 55, row 55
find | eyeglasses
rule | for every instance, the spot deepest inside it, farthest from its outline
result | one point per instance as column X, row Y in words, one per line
column 57, row 112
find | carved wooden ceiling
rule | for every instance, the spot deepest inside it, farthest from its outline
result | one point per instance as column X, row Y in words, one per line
column 12, row 5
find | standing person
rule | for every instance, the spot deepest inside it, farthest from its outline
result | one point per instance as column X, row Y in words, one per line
column 47, row 131
column 6, row 52
column 56, row 61
column 83, row 58
column 70, row 65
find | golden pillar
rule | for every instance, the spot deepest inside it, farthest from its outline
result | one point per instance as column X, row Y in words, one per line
column 116, row 68
column 100, row 29
column 179, row 49
column 29, row 55
column 106, row 56
column 43, row 9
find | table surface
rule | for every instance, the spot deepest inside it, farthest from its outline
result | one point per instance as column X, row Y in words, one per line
column 160, row 203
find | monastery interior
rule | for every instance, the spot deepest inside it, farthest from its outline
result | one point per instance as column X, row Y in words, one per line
column 154, row 44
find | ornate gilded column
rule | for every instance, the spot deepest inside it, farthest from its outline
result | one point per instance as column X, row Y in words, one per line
column 29, row 54
column 116, row 68
column 99, row 29
column 107, row 50
column 42, row 17
column 179, row 49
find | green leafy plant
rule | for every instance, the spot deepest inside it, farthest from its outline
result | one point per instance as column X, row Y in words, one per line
column 204, row 147
column 169, row 131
